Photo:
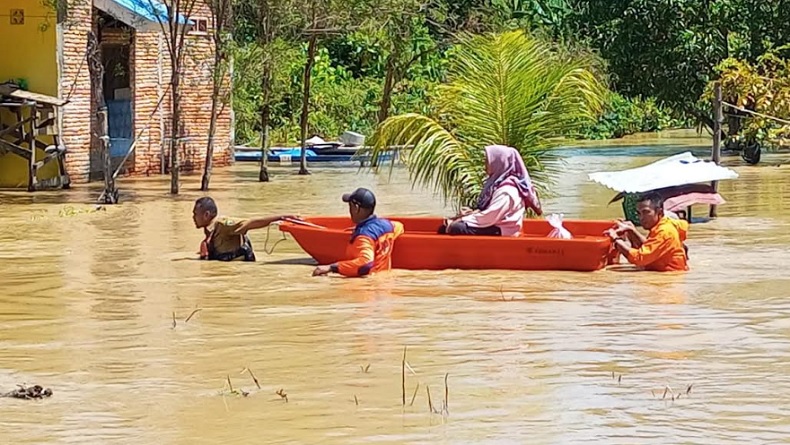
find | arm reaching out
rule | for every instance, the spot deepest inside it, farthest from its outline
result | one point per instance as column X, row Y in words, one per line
column 259, row 223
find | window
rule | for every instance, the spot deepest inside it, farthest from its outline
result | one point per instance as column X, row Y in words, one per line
column 200, row 27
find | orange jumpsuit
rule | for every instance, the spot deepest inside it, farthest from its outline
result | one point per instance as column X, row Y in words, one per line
column 370, row 248
column 663, row 250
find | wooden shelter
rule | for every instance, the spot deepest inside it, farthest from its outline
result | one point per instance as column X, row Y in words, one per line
column 24, row 118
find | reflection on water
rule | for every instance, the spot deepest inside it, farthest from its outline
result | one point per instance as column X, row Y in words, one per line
column 88, row 301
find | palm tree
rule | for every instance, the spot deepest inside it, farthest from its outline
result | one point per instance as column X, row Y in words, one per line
column 510, row 89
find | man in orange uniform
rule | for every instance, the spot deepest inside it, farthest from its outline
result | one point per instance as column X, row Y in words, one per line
column 663, row 249
column 370, row 248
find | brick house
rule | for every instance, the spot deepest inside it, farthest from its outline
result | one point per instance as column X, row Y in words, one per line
column 135, row 85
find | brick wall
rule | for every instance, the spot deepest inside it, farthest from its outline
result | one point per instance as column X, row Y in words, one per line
column 75, row 84
column 148, row 55
column 147, row 90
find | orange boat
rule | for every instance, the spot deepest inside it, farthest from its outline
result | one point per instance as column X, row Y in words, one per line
column 421, row 248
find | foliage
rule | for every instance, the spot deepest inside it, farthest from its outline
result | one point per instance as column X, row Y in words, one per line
column 248, row 94
column 507, row 88
column 624, row 116
column 762, row 87
column 669, row 48
column 659, row 55
column 339, row 100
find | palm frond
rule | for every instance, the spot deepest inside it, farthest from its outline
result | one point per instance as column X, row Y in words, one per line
column 434, row 157
column 510, row 89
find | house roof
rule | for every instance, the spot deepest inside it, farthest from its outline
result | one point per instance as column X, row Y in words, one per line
column 142, row 15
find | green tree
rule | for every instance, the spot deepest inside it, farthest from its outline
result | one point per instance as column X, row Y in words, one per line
column 508, row 88
column 263, row 28
column 762, row 88
column 669, row 49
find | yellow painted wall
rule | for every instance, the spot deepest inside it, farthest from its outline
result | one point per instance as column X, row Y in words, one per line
column 27, row 51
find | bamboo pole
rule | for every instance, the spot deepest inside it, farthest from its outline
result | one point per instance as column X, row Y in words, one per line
column 718, row 119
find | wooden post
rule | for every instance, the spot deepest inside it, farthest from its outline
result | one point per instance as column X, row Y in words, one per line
column 718, row 119
column 110, row 194
column 266, row 86
column 31, row 142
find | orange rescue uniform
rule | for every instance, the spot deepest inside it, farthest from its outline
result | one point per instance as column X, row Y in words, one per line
column 370, row 248
column 663, row 250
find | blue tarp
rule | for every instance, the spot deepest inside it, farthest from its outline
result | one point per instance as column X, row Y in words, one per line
column 151, row 10
column 294, row 153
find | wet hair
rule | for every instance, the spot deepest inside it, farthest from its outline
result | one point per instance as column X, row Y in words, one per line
column 207, row 205
column 655, row 200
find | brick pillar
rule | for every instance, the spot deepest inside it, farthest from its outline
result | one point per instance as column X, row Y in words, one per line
column 75, row 84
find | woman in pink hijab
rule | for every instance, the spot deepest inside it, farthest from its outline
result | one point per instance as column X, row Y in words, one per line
column 507, row 192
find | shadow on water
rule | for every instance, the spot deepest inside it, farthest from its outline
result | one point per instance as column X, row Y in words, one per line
column 306, row 261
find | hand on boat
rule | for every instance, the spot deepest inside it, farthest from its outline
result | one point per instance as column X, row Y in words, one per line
column 619, row 229
column 625, row 226
column 321, row 270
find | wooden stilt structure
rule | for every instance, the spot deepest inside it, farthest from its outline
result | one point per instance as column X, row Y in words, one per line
column 35, row 116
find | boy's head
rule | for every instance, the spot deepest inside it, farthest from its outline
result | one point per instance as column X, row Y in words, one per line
column 651, row 209
column 361, row 204
column 204, row 212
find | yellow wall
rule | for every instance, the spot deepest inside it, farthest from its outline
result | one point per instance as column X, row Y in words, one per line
column 27, row 51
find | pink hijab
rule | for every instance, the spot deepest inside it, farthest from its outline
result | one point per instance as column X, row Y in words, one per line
column 507, row 168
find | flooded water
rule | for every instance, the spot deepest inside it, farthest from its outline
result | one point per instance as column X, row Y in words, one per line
column 542, row 358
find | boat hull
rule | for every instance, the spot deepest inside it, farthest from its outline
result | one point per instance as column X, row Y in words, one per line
column 420, row 248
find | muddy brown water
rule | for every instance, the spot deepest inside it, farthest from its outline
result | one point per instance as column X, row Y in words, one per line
column 87, row 301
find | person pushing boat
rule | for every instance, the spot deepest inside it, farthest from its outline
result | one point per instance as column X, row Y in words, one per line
column 370, row 247
column 226, row 238
column 507, row 192
column 663, row 249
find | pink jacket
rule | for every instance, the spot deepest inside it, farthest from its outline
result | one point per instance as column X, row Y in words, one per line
column 505, row 211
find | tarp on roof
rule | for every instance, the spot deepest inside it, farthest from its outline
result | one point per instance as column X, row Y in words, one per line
column 680, row 169
column 139, row 14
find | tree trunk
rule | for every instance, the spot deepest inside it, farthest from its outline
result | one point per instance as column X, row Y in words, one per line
column 308, row 68
column 175, row 102
column 96, row 71
column 212, row 126
column 266, row 88
column 389, row 84
column 222, row 17
column 175, row 131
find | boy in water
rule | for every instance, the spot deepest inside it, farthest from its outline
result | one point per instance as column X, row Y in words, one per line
column 226, row 238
